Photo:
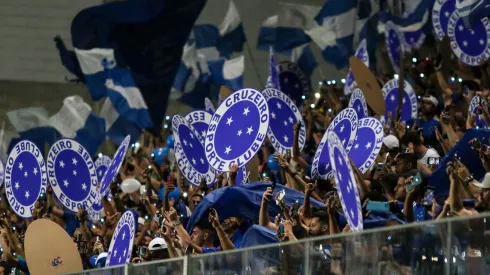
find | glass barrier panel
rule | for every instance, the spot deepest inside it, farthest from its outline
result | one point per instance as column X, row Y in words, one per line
column 164, row 267
column 114, row 270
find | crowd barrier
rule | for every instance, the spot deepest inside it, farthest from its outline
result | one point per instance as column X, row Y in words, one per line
column 455, row 245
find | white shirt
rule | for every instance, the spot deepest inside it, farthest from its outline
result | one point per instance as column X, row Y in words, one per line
column 430, row 153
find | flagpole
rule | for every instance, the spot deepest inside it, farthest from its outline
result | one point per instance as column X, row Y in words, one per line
column 252, row 59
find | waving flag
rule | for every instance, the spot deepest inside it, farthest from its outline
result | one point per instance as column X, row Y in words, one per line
column 287, row 30
column 104, row 78
column 303, row 56
column 228, row 72
column 116, row 126
column 335, row 33
column 273, row 79
column 472, row 10
column 147, row 37
column 214, row 42
column 415, row 15
column 32, row 124
column 77, row 121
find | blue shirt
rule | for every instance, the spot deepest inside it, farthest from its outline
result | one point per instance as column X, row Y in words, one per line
column 71, row 222
column 428, row 126
column 22, row 265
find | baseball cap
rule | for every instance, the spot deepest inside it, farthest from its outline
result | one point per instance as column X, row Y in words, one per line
column 431, row 99
column 485, row 184
column 98, row 260
column 157, row 244
column 391, row 142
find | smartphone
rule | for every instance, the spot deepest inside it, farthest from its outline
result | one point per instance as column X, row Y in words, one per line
column 273, row 185
column 152, row 155
column 13, row 228
column 378, row 206
column 475, row 144
column 416, row 180
column 380, row 165
column 141, row 251
column 102, row 220
column 281, row 230
column 147, row 217
column 428, row 196
column 212, row 212
column 170, row 180
column 465, row 90
column 288, row 153
column 280, row 196
column 433, row 161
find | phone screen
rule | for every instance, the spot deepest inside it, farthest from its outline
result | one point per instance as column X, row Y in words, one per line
column 428, row 196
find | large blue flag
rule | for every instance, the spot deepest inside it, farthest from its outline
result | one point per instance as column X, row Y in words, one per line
column 147, row 37
column 246, row 200
column 462, row 150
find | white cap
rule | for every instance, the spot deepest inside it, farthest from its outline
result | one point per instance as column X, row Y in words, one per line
column 101, row 256
column 431, row 99
column 391, row 142
column 485, row 184
column 157, row 244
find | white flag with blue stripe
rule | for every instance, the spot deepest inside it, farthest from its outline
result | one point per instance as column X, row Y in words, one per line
column 335, row 33
column 77, row 121
column 228, row 72
column 221, row 41
column 94, row 64
column 305, row 59
column 116, row 126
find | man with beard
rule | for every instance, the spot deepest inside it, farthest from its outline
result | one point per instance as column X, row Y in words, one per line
column 482, row 203
column 235, row 228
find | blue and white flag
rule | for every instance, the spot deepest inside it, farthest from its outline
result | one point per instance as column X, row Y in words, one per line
column 104, row 78
column 189, row 152
column 241, row 177
column 142, row 34
column 117, row 127
column 188, row 72
column 303, row 56
column 228, row 72
column 357, row 102
column 472, row 10
column 102, row 163
column 221, row 41
column 121, row 247
column 368, row 143
column 25, row 178
column 77, row 121
column 416, row 14
column 72, row 175
column 470, row 46
column 409, row 109
column 208, row 106
column 273, row 79
column 363, row 55
column 475, row 102
column 95, row 64
column 394, row 43
column 293, row 81
column 237, row 129
column 345, row 182
column 441, row 12
column 345, row 126
column 283, row 116
column 32, row 124
column 286, row 30
column 199, row 120
column 113, row 169
column 335, row 33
